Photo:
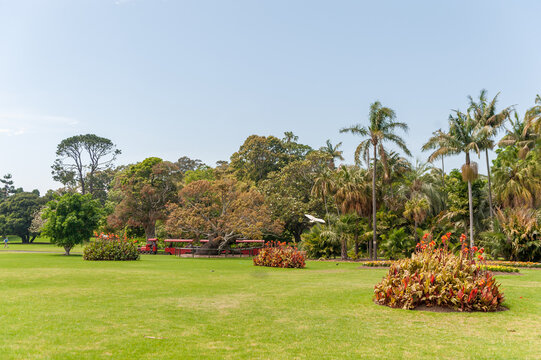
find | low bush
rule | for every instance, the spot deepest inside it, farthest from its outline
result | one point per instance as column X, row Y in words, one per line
column 277, row 254
column 434, row 276
column 111, row 249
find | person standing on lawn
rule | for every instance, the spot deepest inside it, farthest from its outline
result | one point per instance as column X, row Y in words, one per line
column 6, row 242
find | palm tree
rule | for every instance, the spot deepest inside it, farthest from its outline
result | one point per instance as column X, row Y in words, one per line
column 533, row 116
column 488, row 121
column 462, row 137
column 353, row 196
column 437, row 142
column 416, row 209
column 324, row 185
column 519, row 136
column 381, row 128
column 333, row 152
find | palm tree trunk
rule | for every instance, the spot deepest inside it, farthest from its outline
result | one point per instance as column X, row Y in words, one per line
column 442, row 172
column 489, row 188
column 374, row 235
column 470, row 202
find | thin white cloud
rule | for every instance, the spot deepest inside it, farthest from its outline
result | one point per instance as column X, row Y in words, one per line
column 14, row 124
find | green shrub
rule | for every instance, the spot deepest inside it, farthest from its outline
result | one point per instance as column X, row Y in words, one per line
column 436, row 277
column 113, row 250
column 277, row 254
column 318, row 244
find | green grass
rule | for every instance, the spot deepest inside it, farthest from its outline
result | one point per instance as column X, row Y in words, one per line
column 57, row 307
column 40, row 244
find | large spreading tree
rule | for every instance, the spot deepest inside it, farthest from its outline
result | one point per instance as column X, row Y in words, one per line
column 80, row 158
column 142, row 191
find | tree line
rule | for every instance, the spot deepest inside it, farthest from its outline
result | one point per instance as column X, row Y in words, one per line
column 379, row 206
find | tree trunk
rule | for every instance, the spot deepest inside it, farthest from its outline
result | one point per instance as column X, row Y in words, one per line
column 344, row 248
column 489, row 188
column 374, row 235
column 33, row 238
column 150, row 230
column 356, row 239
column 442, row 172
column 297, row 236
column 470, row 202
column 25, row 239
column 67, row 249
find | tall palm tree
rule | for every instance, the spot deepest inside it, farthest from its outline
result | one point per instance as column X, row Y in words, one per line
column 381, row 129
column 437, row 142
column 462, row 137
column 488, row 121
column 333, row 152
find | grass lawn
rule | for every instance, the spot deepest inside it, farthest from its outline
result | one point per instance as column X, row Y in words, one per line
column 41, row 244
column 58, row 307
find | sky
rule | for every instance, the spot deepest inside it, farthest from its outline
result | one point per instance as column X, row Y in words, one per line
column 195, row 78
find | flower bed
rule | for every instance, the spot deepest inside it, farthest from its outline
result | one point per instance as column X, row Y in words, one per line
column 434, row 276
column 499, row 268
column 277, row 254
column 516, row 264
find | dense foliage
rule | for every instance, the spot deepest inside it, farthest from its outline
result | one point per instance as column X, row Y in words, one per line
column 71, row 219
column 277, row 254
column 434, row 276
column 378, row 207
column 111, row 249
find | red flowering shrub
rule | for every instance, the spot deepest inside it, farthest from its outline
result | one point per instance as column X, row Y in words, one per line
column 436, row 277
column 277, row 254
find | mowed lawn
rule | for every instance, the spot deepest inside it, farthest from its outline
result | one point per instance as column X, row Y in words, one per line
column 162, row 307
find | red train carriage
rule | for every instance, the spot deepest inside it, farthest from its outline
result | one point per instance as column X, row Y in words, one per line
column 252, row 250
column 151, row 247
column 178, row 246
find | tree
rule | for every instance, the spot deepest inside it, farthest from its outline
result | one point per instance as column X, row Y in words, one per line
column 142, row 191
column 260, row 155
column 186, row 164
column 462, row 137
column 519, row 136
column 381, row 128
column 17, row 212
column 288, row 193
column 7, row 186
column 437, row 142
column 333, row 152
column 80, row 157
column 517, row 182
column 71, row 220
column 488, row 122
column 222, row 211
column 353, row 199
column 533, row 117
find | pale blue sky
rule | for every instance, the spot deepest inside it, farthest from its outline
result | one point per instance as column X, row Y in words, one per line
column 173, row 78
